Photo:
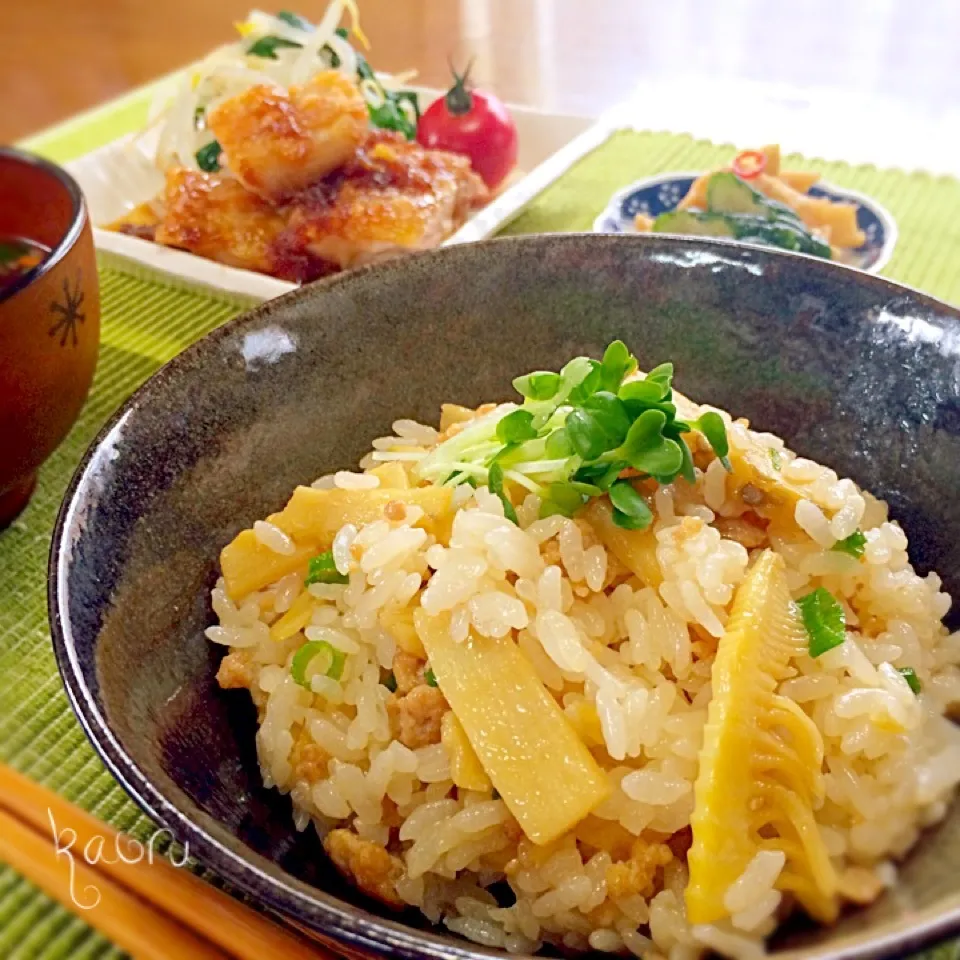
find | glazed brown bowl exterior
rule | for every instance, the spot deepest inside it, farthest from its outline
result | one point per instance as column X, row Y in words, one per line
column 49, row 322
column 852, row 370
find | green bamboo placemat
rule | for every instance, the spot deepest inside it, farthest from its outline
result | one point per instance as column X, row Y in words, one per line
column 144, row 324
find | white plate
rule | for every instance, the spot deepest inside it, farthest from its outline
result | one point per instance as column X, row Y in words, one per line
column 121, row 175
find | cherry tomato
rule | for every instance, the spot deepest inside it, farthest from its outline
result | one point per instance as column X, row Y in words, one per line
column 474, row 123
column 749, row 164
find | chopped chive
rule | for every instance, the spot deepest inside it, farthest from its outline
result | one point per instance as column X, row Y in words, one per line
column 322, row 569
column 775, row 458
column 852, row 545
column 913, row 681
column 208, row 157
column 824, row 621
column 310, row 650
column 430, row 678
column 266, row 47
column 495, row 485
column 295, row 20
column 390, row 682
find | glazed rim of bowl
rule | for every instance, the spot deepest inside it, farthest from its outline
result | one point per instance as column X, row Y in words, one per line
column 293, row 899
column 72, row 232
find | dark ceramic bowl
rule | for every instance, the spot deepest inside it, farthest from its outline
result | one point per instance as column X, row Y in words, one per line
column 851, row 369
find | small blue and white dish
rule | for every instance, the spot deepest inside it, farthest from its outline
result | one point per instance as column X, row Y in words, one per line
column 655, row 195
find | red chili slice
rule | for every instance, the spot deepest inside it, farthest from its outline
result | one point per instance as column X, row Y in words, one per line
column 749, row 164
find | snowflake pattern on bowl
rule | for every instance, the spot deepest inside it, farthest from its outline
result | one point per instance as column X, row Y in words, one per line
column 656, row 195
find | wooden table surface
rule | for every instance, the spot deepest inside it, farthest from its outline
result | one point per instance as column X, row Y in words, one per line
column 575, row 56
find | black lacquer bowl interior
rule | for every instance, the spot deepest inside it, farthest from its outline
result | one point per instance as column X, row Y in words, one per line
column 851, row 370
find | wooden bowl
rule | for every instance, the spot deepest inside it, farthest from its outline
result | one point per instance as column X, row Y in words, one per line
column 49, row 322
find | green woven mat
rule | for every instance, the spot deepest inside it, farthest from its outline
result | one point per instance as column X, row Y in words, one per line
column 145, row 324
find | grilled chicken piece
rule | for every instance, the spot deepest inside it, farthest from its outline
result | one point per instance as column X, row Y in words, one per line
column 278, row 142
column 393, row 197
column 215, row 217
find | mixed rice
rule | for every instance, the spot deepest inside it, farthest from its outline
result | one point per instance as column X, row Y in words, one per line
column 329, row 608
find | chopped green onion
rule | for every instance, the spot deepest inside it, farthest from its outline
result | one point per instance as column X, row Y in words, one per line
column 295, row 20
column 390, row 682
column 775, row 458
column 852, row 545
column 208, row 157
column 322, row 569
column 266, row 47
column 913, row 681
column 430, row 677
column 388, row 114
column 824, row 620
column 310, row 650
column 495, row 485
column 516, row 427
column 540, row 385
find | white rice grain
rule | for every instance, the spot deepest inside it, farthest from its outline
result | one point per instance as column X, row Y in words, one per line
column 273, row 538
column 346, row 480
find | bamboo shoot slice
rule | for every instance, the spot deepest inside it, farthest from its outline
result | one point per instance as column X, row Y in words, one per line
column 312, row 518
column 760, row 766
column 466, row 771
column 295, row 619
column 317, row 515
column 547, row 777
column 247, row 565
column 635, row 549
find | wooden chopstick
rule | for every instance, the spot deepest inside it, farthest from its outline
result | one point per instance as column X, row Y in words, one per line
column 172, row 898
